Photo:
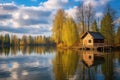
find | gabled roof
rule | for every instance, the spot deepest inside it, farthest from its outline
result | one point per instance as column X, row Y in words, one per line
column 95, row 35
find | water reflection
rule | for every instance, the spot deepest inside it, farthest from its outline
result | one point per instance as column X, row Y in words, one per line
column 47, row 63
column 89, row 67
column 26, row 63
column 65, row 64
column 25, row 50
column 92, row 58
column 116, row 66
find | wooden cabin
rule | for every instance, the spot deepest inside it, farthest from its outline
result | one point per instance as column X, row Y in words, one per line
column 92, row 39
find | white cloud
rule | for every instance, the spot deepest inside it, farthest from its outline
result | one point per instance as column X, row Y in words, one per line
column 65, row 1
column 24, row 16
column 16, row 15
column 38, row 18
column 99, row 14
column 56, row 4
column 52, row 4
column 72, row 12
column 95, row 3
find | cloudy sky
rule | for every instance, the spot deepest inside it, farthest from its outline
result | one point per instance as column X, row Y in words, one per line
column 36, row 16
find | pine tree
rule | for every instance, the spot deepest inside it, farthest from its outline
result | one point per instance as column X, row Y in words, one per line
column 7, row 40
column 118, row 36
column 107, row 28
column 24, row 40
column 1, row 40
column 94, row 26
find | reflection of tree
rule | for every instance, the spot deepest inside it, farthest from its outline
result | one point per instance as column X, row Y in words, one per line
column 30, row 49
column 44, row 50
column 116, row 65
column 99, row 74
column 38, row 50
column 58, row 67
column 89, row 66
column 23, row 49
column 65, row 64
column 14, row 50
column 107, row 67
column 1, row 50
column 117, row 55
column 6, row 50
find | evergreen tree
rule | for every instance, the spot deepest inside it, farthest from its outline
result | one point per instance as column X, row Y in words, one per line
column 107, row 28
column 118, row 36
column 58, row 25
column 14, row 40
column 30, row 40
column 1, row 40
column 94, row 26
column 24, row 40
column 7, row 40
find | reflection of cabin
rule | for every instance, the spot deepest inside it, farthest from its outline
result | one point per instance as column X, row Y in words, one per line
column 93, row 39
column 92, row 58
column 88, row 58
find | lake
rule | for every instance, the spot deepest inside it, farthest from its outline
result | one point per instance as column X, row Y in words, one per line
column 49, row 63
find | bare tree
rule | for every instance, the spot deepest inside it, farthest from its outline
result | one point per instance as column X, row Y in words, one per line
column 85, row 15
column 89, row 15
column 81, row 16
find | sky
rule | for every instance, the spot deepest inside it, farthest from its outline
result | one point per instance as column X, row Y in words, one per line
column 36, row 16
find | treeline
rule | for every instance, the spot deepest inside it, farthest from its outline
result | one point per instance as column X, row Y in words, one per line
column 67, row 31
column 7, row 40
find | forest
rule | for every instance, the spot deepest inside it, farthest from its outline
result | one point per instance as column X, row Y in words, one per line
column 67, row 31
column 7, row 41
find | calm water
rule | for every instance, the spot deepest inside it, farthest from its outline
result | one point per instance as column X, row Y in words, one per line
column 40, row 63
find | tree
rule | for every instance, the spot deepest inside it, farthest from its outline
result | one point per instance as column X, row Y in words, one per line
column 7, row 40
column 58, row 25
column 24, row 40
column 30, row 40
column 14, row 40
column 69, row 32
column 89, row 15
column 68, row 61
column 118, row 36
column 1, row 40
column 107, row 28
column 94, row 26
column 85, row 15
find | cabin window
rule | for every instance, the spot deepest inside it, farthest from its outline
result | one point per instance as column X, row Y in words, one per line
column 89, row 41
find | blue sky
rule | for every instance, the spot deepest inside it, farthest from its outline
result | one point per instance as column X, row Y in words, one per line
column 36, row 16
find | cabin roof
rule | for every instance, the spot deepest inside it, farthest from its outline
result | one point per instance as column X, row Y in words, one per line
column 95, row 35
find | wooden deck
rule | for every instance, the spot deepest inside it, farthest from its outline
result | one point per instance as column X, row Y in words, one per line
column 100, row 48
